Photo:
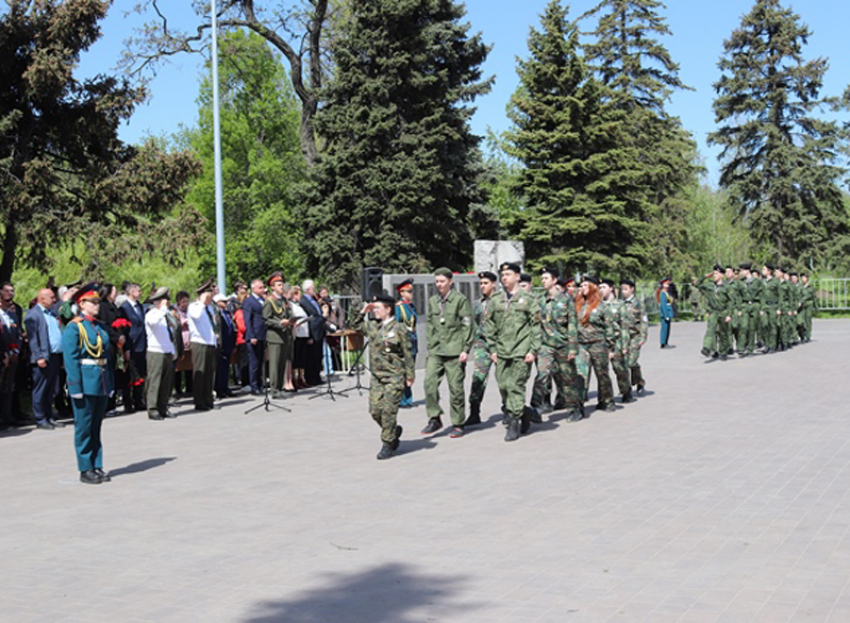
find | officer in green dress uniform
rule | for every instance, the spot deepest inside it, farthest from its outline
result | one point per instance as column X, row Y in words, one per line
column 277, row 316
column 450, row 333
column 513, row 337
column 85, row 350
column 480, row 353
column 391, row 363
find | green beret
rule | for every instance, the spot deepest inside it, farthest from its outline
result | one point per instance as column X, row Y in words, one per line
column 443, row 272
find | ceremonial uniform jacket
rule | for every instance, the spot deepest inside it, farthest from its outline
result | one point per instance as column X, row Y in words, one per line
column 636, row 321
column 513, row 326
column 405, row 314
column 390, row 354
column 275, row 310
column 87, row 365
column 449, row 327
column 558, row 323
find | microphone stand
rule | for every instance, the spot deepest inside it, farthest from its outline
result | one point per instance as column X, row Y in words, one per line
column 358, row 386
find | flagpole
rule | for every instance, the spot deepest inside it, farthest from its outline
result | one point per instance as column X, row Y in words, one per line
column 219, row 209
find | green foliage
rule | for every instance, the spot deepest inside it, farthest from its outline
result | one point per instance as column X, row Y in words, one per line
column 396, row 186
column 780, row 161
column 262, row 165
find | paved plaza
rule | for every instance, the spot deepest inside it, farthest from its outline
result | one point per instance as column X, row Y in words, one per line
column 722, row 495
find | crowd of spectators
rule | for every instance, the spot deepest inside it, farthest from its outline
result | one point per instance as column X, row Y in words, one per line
column 228, row 329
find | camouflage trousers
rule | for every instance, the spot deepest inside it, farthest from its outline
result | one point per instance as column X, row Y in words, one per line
column 595, row 355
column 716, row 334
column 554, row 366
column 808, row 314
column 621, row 371
column 512, row 377
column 481, row 362
column 384, row 398
column 632, row 360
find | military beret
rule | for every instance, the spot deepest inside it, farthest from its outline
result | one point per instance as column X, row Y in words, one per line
column 718, row 268
column 769, row 266
column 627, row 282
column 729, row 267
column 207, row 286
column 549, row 269
column 524, row 278
column 512, row 266
column 407, row 283
column 386, row 299
column 90, row 291
column 562, row 283
column 590, row 279
column 161, row 293
column 443, row 272
column 486, row 274
column 608, row 282
column 793, row 273
column 746, row 266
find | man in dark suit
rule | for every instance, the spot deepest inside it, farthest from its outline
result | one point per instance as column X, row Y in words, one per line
column 137, row 347
column 316, row 323
column 45, row 340
column 255, row 335
column 227, row 344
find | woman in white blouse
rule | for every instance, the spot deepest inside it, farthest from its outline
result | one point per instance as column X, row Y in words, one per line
column 302, row 334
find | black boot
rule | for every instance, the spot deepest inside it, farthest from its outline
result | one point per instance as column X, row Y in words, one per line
column 512, row 434
column 434, row 424
column 534, row 414
column 398, row 431
column 386, row 451
column 627, row 397
column 525, row 420
column 705, row 352
column 474, row 415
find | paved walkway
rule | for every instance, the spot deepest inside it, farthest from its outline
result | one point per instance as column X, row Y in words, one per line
column 720, row 496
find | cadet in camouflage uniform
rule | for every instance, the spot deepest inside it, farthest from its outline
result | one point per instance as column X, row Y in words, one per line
column 558, row 348
column 635, row 328
column 770, row 309
column 751, row 293
column 480, row 353
column 513, row 337
column 450, row 333
column 594, row 335
column 716, row 299
column 614, row 313
column 796, row 301
column 737, row 296
column 391, row 362
column 809, row 298
column 786, row 303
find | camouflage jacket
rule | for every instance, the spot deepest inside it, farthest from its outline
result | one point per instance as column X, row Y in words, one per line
column 480, row 311
column 390, row 354
column 597, row 329
column 754, row 292
column 513, row 325
column 615, row 315
column 636, row 322
column 771, row 295
column 558, row 324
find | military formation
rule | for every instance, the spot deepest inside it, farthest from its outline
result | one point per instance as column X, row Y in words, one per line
column 567, row 333
column 750, row 310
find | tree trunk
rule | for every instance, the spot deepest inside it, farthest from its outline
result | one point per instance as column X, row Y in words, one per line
column 10, row 245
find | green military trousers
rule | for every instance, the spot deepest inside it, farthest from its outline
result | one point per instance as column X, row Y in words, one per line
column 203, row 375
column 512, row 377
column 277, row 365
column 716, row 334
column 454, row 371
column 160, row 382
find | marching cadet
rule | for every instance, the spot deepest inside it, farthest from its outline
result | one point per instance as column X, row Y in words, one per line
column 594, row 335
column 277, row 317
column 785, row 304
column 85, row 350
column 391, row 362
column 751, row 295
column 405, row 314
column 513, row 337
column 771, row 312
column 797, row 302
column 480, row 352
column 737, row 295
column 618, row 349
column 718, row 318
column 809, row 297
column 636, row 328
column 449, row 334
column 558, row 349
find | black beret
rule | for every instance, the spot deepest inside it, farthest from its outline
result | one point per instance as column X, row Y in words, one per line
column 769, row 266
column 512, row 266
column 608, row 282
column 627, row 282
column 590, row 279
column 550, row 270
column 718, row 268
column 525, row 278
column 486, row 274
column 793, row 273
column 746, row 266
column 386, row 299
column 562, row 282
column 443, row 272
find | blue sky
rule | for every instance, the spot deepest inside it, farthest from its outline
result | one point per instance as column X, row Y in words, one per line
column 698, row 30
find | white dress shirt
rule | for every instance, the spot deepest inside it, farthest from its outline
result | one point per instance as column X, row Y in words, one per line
column 201, row 328
column 156, row 327
column 302, row 329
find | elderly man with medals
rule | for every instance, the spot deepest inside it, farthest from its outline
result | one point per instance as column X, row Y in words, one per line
column 85, row 349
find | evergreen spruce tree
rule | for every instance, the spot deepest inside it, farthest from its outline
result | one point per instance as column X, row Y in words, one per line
column 582, row 209
column 396, row 182
column 779, row 161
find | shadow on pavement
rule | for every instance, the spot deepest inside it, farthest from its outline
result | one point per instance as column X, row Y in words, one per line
column 142, row 466
column 391, row 593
